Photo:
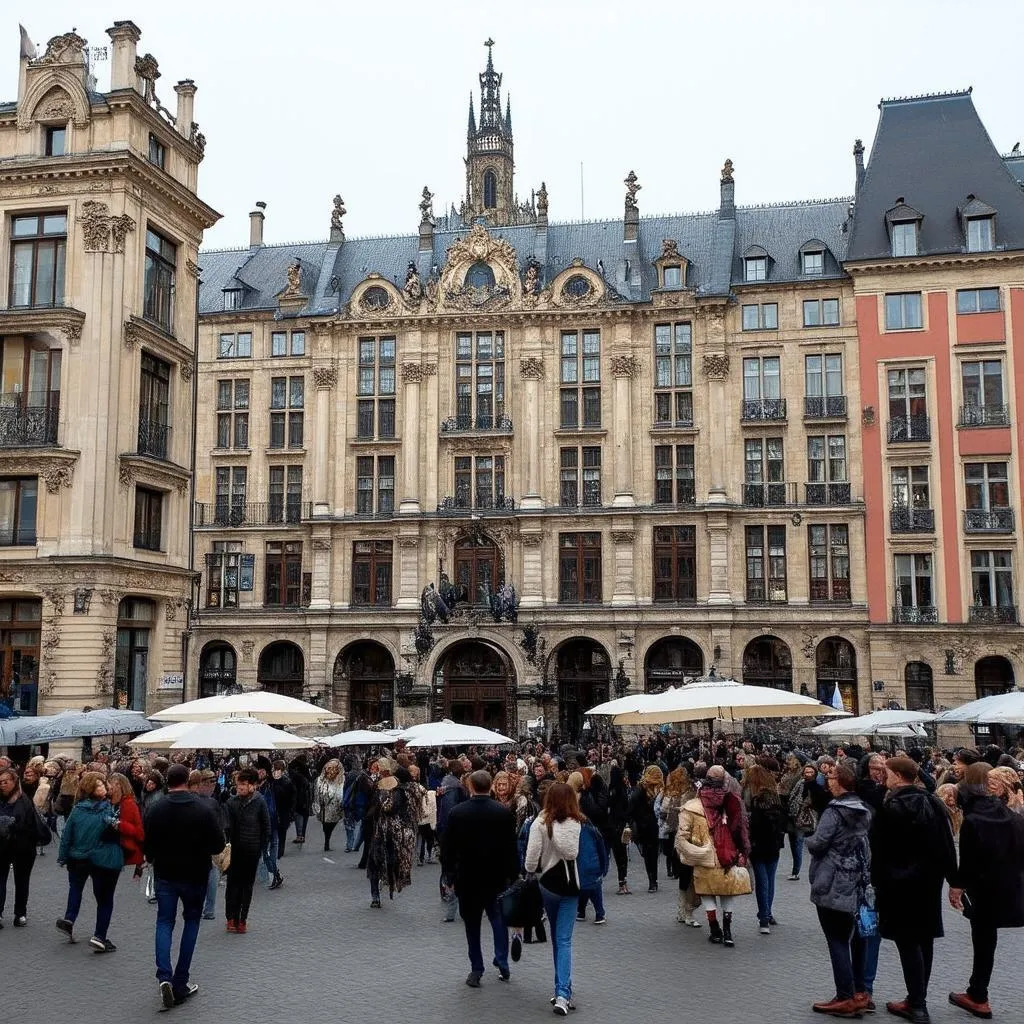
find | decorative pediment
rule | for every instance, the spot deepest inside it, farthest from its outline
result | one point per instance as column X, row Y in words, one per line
column 458, row 289
column 133, row 468
column 54, row 89
column 972, row 206
column 671, row 257
column 902, row 212
column 577, row 288
column 375, row 297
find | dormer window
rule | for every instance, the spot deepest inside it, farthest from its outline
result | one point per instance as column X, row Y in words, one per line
column 673, row 276
column 812, row 263
column 755, row 268
column 480, row 275
column 232, row 298
column 980, row 234
column 56, row 140
column 904, row 238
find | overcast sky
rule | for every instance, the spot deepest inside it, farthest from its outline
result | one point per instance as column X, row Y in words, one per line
column 302, row 101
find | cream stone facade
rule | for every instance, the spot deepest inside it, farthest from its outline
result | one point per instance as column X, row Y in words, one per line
column 101, row 228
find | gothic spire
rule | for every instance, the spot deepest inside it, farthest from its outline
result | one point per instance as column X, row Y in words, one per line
column 490, row 93
column 508, row 116
column 471, row 129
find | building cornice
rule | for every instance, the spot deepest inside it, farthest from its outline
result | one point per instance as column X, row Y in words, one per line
column 888, row 265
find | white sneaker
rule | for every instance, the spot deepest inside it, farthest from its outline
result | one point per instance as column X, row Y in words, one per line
column 765, row 930
column 562, row 1006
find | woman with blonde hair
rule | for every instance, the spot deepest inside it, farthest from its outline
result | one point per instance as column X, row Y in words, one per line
column 502, row 789
column 947, row 793
column 669, row 804
column 328, row 793
column 1005, row 783
column 643, row 822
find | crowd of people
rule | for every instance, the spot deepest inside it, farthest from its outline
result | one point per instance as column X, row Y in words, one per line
column 526, row 837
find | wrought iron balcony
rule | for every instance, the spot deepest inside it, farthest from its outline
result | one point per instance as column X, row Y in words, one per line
column 825, row 407
column 827, row 494
column 915, row 614
column 29, row 419
column 993, row 615
column 271, row 513
column 154, row 438
column 464, row 424
column 454, row 505
column 774, row 593
column 904, row 429
column 819, row 593
column 903, row 519
column 772, row 410
column 769, row 495
column 984, row 416
column 992, row 520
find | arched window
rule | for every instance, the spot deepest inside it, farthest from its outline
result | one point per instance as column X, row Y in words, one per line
column 480, row 275
column 836, row 666
column 281, row 669
column 767, row 661
column 584, row 674
column 917, row 678
column 670, row 662
column 217, row 666
column 490, row 190
column 479, row 568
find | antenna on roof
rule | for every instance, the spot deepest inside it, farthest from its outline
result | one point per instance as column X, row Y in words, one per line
column 581, row 190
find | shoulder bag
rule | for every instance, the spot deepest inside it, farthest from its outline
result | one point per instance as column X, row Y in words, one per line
column 561, row 878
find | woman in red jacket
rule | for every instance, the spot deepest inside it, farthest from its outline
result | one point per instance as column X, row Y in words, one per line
column 121, row 795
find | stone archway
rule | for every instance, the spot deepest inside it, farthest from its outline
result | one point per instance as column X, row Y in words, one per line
column 282, row 669
column 993, row 675
column 218, row 664
column 836, row 665
column 670, row 662
column 583, row 672
column 364, row 684
column 767, row 661
column 475, row 684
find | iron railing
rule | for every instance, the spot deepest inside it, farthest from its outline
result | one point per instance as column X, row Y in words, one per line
column 993, row 615
column 464, row 423
column 769, row 495
column 763, row 409
column 270, row 513
column 154, row 438
column 992, row 520
column 451, row 504
column 825, row 407
column 915, row 614
column 827, row 494
column 909, row 428
column 984, row 415
column 29, row 418
column 903, row 519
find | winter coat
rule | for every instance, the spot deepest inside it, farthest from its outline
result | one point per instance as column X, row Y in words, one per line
column 298, row 772
column 594, row 803
column 428, row 807
column 544, row 851
column 129, row 829
column 912, row 852
column 618, row 801
column 248, row 825
column 642, row 818
column 592, row 859
column 840, row 854
column 24, row 834
column 695, row 847
column 992, row 861
column 450, row 793
column 89, row 835
column 327, row 799
column 767, row 826
column 284, row 798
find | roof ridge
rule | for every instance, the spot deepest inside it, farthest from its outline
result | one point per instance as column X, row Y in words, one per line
column 791, row 203
column 927, row 96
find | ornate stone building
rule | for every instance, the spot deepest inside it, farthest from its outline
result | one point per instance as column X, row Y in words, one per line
column 649, row 426
column 101, row 228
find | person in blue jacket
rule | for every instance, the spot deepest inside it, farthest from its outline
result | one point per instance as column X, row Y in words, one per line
column 592, row 866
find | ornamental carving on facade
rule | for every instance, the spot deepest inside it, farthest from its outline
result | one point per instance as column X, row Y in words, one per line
column 110, row 596
column 186, row 370
column 531, row 540
column 58, row 476
column 623, row 536
column 716, row 365
column 172, row 605
column 408, row 542
column 479, row 246
column 321, row 543
column 12, row 577
column 51, row 637
column 531, row 368
column 248, row 646
column 48, row 683
column 531, row 279
column 72, row 328
column 416, row 373
column 542, row 200
column 324, row 377
column 670, row 249
column 63, row 49
column 126, row 475
column 57, row 109
column 105, row 673
column 727, row 172
column 625, row 366
column 632, row 187
column 99, row 227
column 412, row 290
column 56, row 598
column 294, row 286
column 192, row 267
column 132, row 334
column 198, row 139
column 338, row 211
column 427, row 206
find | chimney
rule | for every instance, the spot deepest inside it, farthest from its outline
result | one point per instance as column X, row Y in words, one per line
column 858, row 159
column 727, row 203
column 186, row 90
column 124, row 35
column 256, row 219
column 426, row 221
column 631, row 217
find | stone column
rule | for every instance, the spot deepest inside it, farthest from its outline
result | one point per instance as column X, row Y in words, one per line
column 718, row 533
column 531, row 370
column 624, row 367
column 716, row 372
column 413, row 374
column 317, row 672
column 532, row 592
column 320, row 587
column 409, row 585
column 324, row 379
column 624, row 591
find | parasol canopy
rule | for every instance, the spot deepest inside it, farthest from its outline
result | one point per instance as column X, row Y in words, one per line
column 449, row 734
column 877, row 723
column 359, row 738
column 999, row 709
column 231, row 733
column 271, row 708
column 79, row 724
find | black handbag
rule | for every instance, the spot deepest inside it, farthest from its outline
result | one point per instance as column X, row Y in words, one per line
column 512, row 904
column 561, row 879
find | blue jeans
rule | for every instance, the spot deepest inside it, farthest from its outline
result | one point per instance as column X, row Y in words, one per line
column 167, row 895
column 104, row 882
column 872, row 944
column 353, row 834
column 561, row 911
column 210, row 905
column 594, row 894
column 270, row 856
column 764, row 887
column 471, row 911
column 301, row 824
column 796, row 847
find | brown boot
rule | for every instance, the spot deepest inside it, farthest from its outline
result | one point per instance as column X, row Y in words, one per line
column 837, row 1007
column 899, row 1009
column 976, row 1009
column 864, row 1002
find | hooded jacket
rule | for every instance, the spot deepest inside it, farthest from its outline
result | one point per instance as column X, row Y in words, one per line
column 89, row 835
column 840, row 854
column 992, row 861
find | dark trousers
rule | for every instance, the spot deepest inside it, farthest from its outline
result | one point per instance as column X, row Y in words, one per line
column 916, row 959
column 621, row 855
column 668, row 847
column 426, row 842
column 21, row 861
column 301, row 823
column 845, row 950
column 329, row 827
column 650, row 854
column 984, row 937
column 282, row 837
column 104, row 882
column 472, row 908
column 238, row 893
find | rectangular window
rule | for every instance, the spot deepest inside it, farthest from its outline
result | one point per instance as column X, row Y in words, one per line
column 821, row 312
column 763, row 317
column 903, row 311
column 986, row 486
column 371, row 573
column 673, row 375
column 675, row 564
column 828, row 549
column 375, row 388
column 579, row 568
column 904, row 238
column 915, row 600
column 755, row 268
column 231, row 482
column 154, row 405
column 980, row 236
column 480, row 380
column 982, row 382
column 235, row 346
column 764, row 472
column 149, row 507
column 161, row 260
column 233, row 414
column 673, row 276
column 479, row 481
column 910, row 488
column 573, row 483
column 283, row 574
column 157, row 152
column 222, row 574
column 18, row 497
column 580, row 366
column 375, row 485
column 284, row 494
column 766, row 576
column 992, row 586
column 56, row 141
column 762, row 389
column 284, row 343
column 977, row 300
column 674, row 480
column 286, row 428
column 38, row 253
column 908, row 405
column 812, row 263
column 823, row 386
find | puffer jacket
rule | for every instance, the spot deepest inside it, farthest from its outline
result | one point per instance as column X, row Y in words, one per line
column 89, row 835
column 840, row 854
column 248, row 824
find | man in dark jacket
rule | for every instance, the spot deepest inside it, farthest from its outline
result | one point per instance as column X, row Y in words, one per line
column 249, row 833
column 284, row 799
column 302, row 780
column 449, row 795
column 478, row 851
column 182, row 833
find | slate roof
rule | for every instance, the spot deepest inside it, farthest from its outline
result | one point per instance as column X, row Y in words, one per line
column 712, row 245
column 934, row 152
column 1015, row 165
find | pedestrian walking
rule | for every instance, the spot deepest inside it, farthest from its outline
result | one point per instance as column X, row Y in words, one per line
column 129, row 820
column 203, row 784
column 182, row 833
column 266, row 790
column 327, row 799
column 450, row 793
column 284, row 800
column 391, row 830
column 591, row 866
column 21, row 832
column 643, row 821
column 767, row 829
column 249, row 833
column 302, row 780
column 479, row 854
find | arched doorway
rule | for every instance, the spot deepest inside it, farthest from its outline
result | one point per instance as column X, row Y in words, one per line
column 475, row 684
column 282, row 669
column 917, row 680
column 836, row 665
column 992, row 675
column 670, row 662
column 583, row 670
column 767, row 662
column 479, row 568
column 369, row 672
column 135, row 617
column 217, row 665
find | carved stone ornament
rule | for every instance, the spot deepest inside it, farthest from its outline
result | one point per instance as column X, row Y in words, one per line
column 294, row 285
column 192, row 267
column 172, row 605
column 531, row 540
column 632, row 187
column 479, row 246
column 670, row 249
column 248, row 646
column 105, row 672
column 186, row 369
column 427, row 206
column 416, row 373
column 56, row 598
column 337, row 212
column 625, row 366
column 126, row 475
column 408, row 542
column 132, row 334
column 63, row 49
column 99, row 227
column 321, row 543
column 716, row 365
column 542, row 200
column 58, row 108
column 727, row 172
column 198, row 139
column 531, row 368
column 324, row 377
column 623, row 536
column 51, row 637
column 58, row 476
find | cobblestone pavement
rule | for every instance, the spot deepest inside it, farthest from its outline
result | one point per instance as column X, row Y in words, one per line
column 317, row 952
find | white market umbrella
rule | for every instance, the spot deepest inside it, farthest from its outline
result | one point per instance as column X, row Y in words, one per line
column 999, row 709
column 449, row 734
column 162, row 738
column 79, row 724
column 723, row 698
column 271, row 708
column 358, row 738
column 237, row 733
column 877, row 723
column 621, row 705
